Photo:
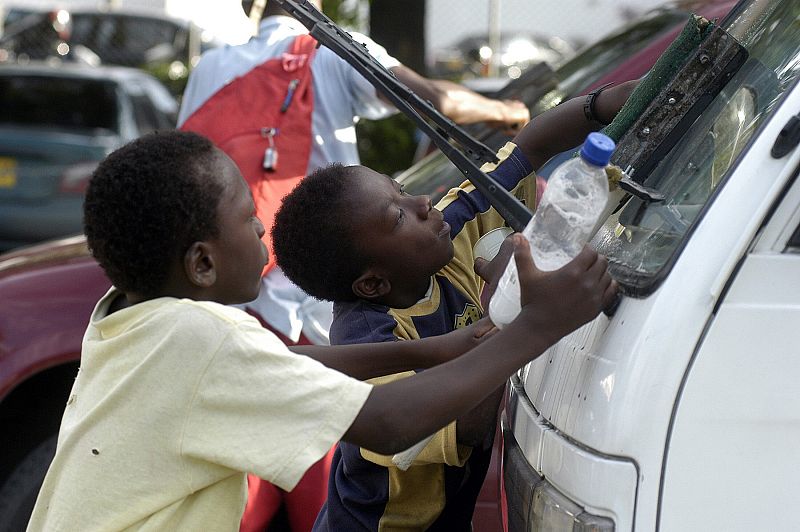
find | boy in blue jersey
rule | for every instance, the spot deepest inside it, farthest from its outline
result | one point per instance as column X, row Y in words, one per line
column 397, row 268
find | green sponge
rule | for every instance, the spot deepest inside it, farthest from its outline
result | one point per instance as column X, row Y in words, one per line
column 672, row 60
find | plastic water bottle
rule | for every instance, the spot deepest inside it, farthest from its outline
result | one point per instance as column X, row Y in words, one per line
column 575, row 197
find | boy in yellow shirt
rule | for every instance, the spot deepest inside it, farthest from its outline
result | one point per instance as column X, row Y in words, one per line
column 180, row 395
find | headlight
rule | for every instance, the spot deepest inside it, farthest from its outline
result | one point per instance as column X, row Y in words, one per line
column 553, row 511
column 534, row 505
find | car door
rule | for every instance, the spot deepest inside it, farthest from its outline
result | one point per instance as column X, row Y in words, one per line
column 731, row 458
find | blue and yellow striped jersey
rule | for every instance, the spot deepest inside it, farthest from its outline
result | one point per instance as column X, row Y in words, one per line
column 438, row 492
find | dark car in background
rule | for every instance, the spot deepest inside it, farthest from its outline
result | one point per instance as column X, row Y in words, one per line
column 47, row 292
column 164, row 46
column 56, row 124
column 32, row 34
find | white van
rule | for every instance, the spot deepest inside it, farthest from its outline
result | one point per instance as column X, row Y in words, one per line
column 681, row 411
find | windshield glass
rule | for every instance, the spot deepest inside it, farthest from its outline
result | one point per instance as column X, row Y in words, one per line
column 640, row 239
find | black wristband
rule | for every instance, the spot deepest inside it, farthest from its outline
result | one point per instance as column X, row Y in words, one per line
column 588, row 105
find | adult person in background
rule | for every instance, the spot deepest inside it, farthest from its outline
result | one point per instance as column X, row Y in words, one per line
column 341, row 96
column 338, row 97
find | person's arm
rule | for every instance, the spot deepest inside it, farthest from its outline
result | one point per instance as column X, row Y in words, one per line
column 566, row 126
column 365, row 361
column 554, row 304
column 462, row 105
column 476, row 427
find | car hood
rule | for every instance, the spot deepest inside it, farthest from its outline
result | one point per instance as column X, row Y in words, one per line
column 48, row 254
column 47, row 293
column 91, row 138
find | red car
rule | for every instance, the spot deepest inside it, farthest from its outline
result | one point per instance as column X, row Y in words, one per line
column 47, row 292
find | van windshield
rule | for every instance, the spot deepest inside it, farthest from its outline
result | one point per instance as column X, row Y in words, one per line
column 641, row 238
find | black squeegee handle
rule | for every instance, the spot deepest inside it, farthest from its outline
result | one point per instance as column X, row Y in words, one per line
column 515, row 213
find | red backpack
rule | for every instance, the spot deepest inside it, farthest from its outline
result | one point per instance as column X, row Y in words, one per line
column 262, row 120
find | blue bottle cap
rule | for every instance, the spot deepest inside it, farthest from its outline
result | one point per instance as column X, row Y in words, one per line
column 597, row 149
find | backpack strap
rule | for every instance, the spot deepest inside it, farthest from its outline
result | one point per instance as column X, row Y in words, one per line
column 300, row 53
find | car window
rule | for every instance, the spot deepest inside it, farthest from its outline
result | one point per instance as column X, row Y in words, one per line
column 32, row 37
column 84, row 30
column 160, row 97
column 640, row 239
column 14, row 15
column 153, row 107
column 83, row 104
column 142, row 34
column 121, row 40
column 145, row 115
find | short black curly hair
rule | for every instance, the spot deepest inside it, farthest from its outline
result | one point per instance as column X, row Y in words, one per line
column 146, row 203
column 312, row 235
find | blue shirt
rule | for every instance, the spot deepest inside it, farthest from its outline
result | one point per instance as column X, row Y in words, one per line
column 438, row 492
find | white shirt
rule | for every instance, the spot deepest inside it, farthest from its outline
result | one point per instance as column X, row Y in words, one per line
column 341, row 96
column 175, row 400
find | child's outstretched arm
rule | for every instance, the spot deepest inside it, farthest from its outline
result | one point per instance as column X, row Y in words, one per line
column 366, row 361
column 566, row 125
column 421, row 404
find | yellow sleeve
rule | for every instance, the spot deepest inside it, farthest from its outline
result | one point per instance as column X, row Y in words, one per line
column 442, row 449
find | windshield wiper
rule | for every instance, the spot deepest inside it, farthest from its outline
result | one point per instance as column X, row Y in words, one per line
column 327, row 33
